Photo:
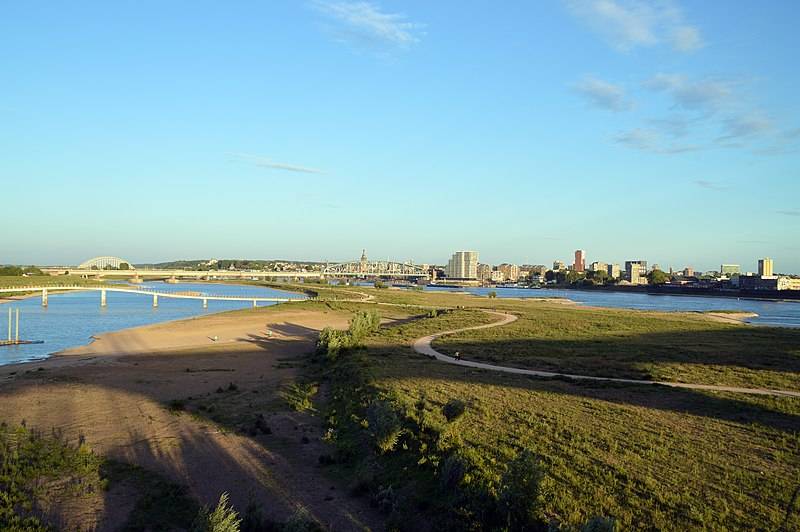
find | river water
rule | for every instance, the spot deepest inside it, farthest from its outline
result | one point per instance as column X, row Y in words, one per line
column 772, row 313
column 72, row 318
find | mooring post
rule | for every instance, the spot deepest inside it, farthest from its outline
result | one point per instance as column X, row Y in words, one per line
column 9, row 325
column 205, row 303
column 155, row 300
column 17, row 335
column 103, row 297
column 44, row 297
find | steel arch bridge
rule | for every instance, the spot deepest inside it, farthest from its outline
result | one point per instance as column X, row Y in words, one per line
column 378, row 268
column 103, row 262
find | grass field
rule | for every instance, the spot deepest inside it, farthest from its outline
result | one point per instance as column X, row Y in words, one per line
column 646, row 457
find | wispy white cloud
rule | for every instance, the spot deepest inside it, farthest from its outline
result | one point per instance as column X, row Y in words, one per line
column 707, row 94
column 710, row 185
column 628, row 24
column 603, row 94
column 790, row 212
column 264, row 162
column 362, row 22
column 745, row 126
column 650, row 140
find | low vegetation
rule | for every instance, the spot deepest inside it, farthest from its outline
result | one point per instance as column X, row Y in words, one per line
column 446, row 448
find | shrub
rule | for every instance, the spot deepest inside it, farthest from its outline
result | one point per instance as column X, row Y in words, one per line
column 518, row 492
column 454, row 409
column 384, row 424
column 298, row 395
column 363, row 323
column 492, row 294
column 301, row 521
column 222, row 519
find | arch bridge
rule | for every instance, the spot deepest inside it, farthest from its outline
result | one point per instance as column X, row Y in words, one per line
column 101, row 263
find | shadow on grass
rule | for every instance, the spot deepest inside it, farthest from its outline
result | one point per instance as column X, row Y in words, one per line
column 751, row 349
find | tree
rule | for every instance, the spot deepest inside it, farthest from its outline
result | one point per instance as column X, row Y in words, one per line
column 657, row 277
column 492, row 294
column 124, row 266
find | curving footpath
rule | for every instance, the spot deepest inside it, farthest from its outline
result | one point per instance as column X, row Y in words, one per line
column 423, row 346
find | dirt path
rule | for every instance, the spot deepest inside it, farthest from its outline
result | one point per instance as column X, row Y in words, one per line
column 423, row 346
column 113, row 394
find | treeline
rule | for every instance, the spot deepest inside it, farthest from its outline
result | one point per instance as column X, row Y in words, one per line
column 18, row 271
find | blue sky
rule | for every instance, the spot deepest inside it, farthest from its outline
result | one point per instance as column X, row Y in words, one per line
column 668, row 131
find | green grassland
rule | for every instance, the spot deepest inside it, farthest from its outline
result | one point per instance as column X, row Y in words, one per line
column 646, row 457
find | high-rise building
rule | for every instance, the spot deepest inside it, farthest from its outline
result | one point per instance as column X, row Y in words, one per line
column 614, row 271
column 729, row 269
column 558, row 265
column 635, row 268
column 462, row 265
column 765, row 267
column 580, row 261
column 688, row 271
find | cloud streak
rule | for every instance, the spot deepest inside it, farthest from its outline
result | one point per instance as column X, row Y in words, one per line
column 629, row 24
column 363, row 22
column 603, row 94
column 649, row 140
column 790, row 212
column 264, row 162
column 709, row 185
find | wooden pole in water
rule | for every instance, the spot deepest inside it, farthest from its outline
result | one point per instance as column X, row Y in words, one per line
column 17, row 334
column 9, row 324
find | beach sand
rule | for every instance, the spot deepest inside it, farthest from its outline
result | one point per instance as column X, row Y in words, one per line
column 113, row 393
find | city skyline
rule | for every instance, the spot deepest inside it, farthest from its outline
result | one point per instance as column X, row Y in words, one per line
column 294, row 129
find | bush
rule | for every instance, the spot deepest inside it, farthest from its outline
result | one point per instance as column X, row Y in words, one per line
column 454, row 409
column 364, row 323
column 301, row 521
column 492, row 294
column 384, row 425
column 599, row 524
column 222, row 519
column 380, row 284
column 518, row 492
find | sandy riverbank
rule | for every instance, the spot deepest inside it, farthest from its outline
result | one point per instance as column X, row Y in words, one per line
column 114, row 393
column 730, row 317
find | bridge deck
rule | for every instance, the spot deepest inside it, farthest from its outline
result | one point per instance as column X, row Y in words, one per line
column 150, row 292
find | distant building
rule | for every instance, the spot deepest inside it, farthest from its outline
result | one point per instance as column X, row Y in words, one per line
column 462, row 265
column 485, row 272
column 729, row 270
column 580, row 261
column 688, row 271
column 765, row 267
column 772, row 282
column 510, row 271
column 498, row 276
column 538, row 269
column 614, row 271
column 598, row 267
column 558, row 266
column 635, row 269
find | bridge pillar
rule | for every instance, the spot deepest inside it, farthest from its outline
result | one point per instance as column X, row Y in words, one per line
column 102, row 298
column 155, row 300
column 44, row 297
column 205, row 303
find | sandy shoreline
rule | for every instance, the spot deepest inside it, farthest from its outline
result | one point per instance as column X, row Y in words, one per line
column 114, row 394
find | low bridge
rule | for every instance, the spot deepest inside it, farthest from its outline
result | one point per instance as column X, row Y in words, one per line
column 183, row 274
column 45, row 290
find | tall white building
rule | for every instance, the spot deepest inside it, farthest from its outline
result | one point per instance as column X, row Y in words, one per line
column 462, row 265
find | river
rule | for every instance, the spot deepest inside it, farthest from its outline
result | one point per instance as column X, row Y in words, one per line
column 72, row 318
column 772, row 313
